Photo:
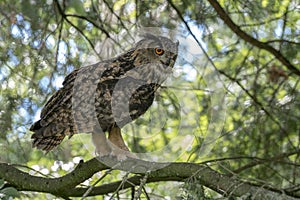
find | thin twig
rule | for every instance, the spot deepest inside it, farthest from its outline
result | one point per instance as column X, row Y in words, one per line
column 73, row 25
column 94, row 184
column 61, row 24
column 195, row 38
column 124, row 180
column 140, row 189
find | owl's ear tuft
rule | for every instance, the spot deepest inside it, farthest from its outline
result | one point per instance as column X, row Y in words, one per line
column 148, row 36
column 147, row 41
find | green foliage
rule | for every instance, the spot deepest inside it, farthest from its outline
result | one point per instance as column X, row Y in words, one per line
column 7, row 193
column 43, row 41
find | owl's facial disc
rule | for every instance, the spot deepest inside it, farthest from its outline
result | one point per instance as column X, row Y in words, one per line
column 155, row 57
column 168, row 60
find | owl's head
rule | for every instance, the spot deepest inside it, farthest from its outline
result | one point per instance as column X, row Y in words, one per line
column 154, row 57
column 156, row 49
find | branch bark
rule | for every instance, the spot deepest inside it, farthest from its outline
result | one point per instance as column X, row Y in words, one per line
column 67, row 186
column 237, row 30
column 26, row 182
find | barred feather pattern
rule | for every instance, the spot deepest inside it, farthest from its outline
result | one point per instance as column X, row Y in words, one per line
column 107, row 94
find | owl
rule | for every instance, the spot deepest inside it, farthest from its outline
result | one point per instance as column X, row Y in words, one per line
column 104, row 97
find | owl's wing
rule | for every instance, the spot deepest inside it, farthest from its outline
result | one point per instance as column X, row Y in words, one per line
column 62, row 95
column 56, row 117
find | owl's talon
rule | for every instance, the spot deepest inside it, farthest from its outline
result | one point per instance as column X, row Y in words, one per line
column 121, row 154
column 104, row 148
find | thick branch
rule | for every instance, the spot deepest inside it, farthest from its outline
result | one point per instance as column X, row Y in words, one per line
column 65, row 186
column 237, row 30
column 26, row 182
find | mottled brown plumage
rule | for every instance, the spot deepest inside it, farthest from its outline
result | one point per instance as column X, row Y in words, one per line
column 107, row 95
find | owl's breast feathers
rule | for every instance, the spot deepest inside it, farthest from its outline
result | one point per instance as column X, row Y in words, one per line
column 100, row 93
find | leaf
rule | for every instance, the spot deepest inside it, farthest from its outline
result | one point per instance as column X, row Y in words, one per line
column 10, row 191
column 264, row 3
column 27, row 8
column 1, row 183
column 78, row 7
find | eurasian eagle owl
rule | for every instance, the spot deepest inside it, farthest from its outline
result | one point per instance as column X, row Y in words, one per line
column 106, row 96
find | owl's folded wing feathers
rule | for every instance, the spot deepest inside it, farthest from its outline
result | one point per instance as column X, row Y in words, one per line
column 56, row 117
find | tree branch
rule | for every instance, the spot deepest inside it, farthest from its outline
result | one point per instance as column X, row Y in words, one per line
column 64, row 17
column 26, row 182
column 237, row 30
column 65, row 186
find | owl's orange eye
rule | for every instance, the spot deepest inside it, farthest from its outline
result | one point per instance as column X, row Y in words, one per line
column 159, row 51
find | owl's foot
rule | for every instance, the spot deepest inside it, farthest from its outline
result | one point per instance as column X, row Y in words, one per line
column 114, row 151
column 118, row 145
column 104, row 148
column 120, row 154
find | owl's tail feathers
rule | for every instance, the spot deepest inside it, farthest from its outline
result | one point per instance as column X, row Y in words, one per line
column 47, row 137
